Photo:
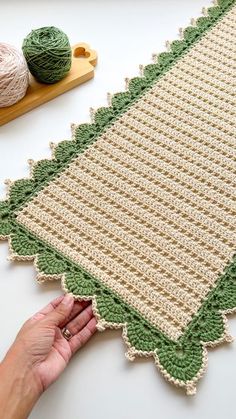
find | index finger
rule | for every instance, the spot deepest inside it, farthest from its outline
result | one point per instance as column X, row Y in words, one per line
column 48, row 308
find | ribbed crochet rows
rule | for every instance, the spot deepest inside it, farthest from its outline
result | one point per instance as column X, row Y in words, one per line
column 142, row 221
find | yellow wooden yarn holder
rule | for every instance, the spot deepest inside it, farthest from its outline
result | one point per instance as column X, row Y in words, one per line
column 84, row 60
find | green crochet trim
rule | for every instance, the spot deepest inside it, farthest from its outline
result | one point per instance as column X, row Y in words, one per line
column 182, row 361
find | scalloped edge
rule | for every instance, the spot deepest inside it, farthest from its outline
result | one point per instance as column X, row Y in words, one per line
column 102, row 324
column 133, row 92
column 132, row 352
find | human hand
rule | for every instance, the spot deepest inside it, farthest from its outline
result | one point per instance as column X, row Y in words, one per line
column 40, row 352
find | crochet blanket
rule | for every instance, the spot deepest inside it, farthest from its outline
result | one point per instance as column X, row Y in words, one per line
column 137, row 211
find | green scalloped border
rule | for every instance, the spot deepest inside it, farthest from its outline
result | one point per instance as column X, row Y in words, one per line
column 182, row 362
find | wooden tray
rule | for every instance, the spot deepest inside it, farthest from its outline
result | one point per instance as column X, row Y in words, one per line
column 82, row 69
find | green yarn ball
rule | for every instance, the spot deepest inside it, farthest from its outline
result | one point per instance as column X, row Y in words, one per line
column 48, row 54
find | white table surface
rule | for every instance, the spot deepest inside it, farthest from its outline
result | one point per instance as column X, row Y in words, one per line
column 99, row 382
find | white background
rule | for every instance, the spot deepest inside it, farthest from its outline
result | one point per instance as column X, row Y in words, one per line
column 99, row 382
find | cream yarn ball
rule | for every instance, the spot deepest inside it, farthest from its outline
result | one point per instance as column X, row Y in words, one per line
column 14, row 75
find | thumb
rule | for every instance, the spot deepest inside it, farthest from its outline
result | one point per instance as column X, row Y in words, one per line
column 62, row 311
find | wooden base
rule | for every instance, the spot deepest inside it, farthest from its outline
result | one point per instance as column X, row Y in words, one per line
column 82, row 69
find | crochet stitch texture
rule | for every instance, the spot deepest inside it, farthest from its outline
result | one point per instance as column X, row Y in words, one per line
column 137, row 212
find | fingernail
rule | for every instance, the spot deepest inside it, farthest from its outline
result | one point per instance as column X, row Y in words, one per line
column 68, row 299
